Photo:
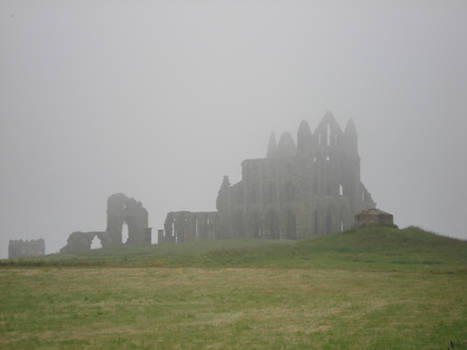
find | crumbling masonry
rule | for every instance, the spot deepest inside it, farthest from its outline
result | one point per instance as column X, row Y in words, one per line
column 296, row 192
column 120, row 210
column 185, row 225
column 374, row 217
column 22, row 249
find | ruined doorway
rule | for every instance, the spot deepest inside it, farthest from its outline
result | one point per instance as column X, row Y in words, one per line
column 96, row 243
column 125, row 234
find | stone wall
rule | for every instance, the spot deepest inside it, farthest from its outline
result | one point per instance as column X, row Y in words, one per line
column 81, row 241
column 124, row 210
column 373, row 217
column 300, row 191
column 296, row 192
column 22, row 249
column 120, row 210
column 184, row 226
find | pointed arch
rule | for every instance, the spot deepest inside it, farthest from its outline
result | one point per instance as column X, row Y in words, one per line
column 125, row 233
column 96, row 243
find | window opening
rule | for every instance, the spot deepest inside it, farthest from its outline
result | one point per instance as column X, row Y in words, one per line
column 125, row 233
column 96, row 243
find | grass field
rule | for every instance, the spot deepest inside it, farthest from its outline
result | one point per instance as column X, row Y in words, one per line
column 367, row 289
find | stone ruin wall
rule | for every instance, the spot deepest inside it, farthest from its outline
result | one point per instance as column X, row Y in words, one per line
column 184, row 226
column 123, row 210
column 120, row 210
column 374, row 217
column 296, row 192
column 22, row 249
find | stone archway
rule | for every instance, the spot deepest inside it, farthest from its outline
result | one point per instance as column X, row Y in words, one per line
column 125, row 233
column 121, row 211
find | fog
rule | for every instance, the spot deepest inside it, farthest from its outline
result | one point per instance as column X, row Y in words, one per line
column 160, row 99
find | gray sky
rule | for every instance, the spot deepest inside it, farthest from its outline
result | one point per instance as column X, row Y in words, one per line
column 160, row 99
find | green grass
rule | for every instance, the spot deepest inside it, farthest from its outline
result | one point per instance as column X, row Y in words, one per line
column 380, row 248
column 378, row 288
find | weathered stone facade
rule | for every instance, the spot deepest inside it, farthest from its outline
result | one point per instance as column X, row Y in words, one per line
column 120, row 210
column 296, row 192
column 22, row 249
column 184, row 225
column 373, row 217
column 81, row 241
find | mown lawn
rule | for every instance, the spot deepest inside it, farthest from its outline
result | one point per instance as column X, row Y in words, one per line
column 343, row 292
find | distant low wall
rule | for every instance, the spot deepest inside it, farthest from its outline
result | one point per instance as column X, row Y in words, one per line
column 22, row 249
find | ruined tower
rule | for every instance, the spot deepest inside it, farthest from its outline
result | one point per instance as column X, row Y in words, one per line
column 120, row 210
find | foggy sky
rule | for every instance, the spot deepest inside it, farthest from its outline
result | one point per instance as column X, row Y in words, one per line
column 160, row 99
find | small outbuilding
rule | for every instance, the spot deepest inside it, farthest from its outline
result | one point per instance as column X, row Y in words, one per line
column 23, row 249
column 373, row 217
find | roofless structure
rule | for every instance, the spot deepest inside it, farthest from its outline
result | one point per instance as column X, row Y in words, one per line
column 300, row 190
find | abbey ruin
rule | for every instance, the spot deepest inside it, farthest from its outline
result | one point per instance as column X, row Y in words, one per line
column 298, row 191
column 120, row 210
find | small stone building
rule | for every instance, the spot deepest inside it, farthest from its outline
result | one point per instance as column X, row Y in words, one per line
column 373, row 217
column 23, row 249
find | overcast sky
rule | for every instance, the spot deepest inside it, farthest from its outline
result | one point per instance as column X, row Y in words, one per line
column 160, row 99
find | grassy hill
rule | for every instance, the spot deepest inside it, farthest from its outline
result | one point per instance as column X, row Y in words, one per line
column 381, row 248
column 375, row 288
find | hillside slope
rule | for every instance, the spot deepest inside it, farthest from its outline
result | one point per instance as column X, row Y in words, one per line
column 378, row 248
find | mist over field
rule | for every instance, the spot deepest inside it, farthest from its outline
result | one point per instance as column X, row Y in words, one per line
column 160, row 99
